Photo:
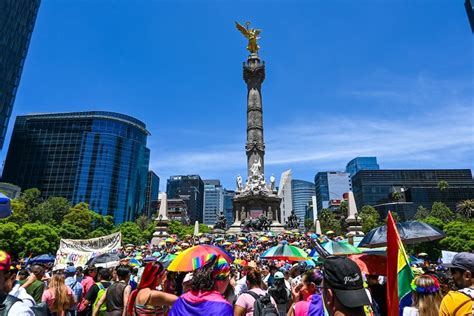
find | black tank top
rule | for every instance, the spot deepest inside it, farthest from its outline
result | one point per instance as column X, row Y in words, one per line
column 114, row 298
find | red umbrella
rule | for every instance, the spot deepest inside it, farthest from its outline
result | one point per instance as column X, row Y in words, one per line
column 371, row 264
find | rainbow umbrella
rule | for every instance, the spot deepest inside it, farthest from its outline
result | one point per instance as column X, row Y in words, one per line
column 265, row 239
column 227, row 243
column 241, row 262
column 170, row 240
column 371, row 264
column 195, row 257
column 271, row 234
column 330, row 232
column 242, row 239
column 219, row 239
column 338, row 248
column 285, row 252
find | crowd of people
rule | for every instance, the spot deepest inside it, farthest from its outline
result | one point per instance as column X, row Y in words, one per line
column 251, row 285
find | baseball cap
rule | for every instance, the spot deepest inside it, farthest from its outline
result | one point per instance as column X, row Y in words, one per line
column 70, row 269
column 343, row 276
column 278, row 275
column 463, row 260
column 5, row 261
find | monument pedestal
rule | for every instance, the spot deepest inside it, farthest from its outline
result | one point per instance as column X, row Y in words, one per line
column 252, row 204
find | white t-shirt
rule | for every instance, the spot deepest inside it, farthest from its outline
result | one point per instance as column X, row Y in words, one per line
column 20, row 309
column 21, row 293
column 410, row 311
column 240, row 286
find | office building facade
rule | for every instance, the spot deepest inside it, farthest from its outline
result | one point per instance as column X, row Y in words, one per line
column 190, row 188
column 17, row 21
column 228, row 206
column 284, row 193
column 330, row 185
column 95, row 157
column 302, row 193
column 361, row 163
column 415, row 187
column 151, row 193
column 213, row 201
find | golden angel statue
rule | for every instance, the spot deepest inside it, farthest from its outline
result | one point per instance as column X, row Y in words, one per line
column 251, row 35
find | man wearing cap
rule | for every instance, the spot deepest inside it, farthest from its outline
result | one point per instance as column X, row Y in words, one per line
column 461, row 302
column 10, row 305
column 343, row 288
column 75, row 286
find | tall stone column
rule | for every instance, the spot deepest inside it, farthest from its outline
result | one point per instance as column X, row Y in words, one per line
column 254, row 74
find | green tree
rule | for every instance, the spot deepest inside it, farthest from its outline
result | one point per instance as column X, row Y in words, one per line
column 441, row 211
column 443, row 185
column 19, row 214
column 9, row 237
column 466, row 208
column 308, row 224
column 396, row 196
column 31, row 199
column 45, row 236
column 370, row 218
column 80, row 216
column 71, row 231
column 459, row 236
column 329, row 221
column 52, row 210
column 422, row 213
column 143, row 221
column 344, row 208
column 131, row 233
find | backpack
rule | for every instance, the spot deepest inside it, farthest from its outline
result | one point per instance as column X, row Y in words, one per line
column 102, row 291
column 263, row 305
column 7, row 302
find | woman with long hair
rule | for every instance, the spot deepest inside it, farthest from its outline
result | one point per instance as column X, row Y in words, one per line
column 206, row 295
column 58, row 296
column 146, row 299
column 426, row 297
column 244, row 306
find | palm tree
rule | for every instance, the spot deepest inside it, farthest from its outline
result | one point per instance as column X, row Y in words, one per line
column 396, row 196
column 443, row 185
column 466, row 208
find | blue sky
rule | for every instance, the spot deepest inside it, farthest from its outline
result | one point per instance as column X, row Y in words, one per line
column 392, row 79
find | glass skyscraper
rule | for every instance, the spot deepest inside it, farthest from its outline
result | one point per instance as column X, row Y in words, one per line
column 151, row 194
column 361, row 163
column 331, row 185
column 190, row 188
column 301, row 195
column 213, row 201
column 95, row 157
column 228, row 206
column 17, row 20
column 419, row 187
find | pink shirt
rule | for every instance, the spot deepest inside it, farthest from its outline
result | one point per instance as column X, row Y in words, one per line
column 48, row 297
column 246, row 300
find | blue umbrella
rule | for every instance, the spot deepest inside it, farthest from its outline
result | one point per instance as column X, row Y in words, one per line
column 149, row 259
column 45, row 258
column 5, row 207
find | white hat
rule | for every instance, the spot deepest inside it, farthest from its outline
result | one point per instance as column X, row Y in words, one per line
column 188, row 277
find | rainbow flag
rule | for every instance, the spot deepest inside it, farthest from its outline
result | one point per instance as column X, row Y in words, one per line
column 399, row 274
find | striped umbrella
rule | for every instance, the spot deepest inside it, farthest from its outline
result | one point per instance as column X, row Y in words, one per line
column 195, row 257
column 339, row 248
column 285, row 252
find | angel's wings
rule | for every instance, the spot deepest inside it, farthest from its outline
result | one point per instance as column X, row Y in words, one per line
column 242, row 29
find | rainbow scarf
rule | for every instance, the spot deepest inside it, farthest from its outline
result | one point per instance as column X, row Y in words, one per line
column 201, row 303
column 399, row 274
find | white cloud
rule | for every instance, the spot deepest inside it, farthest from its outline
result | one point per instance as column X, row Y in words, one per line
column 443, row 135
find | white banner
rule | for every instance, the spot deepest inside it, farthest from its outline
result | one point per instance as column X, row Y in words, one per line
column 447, row 256
column 79, row 251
